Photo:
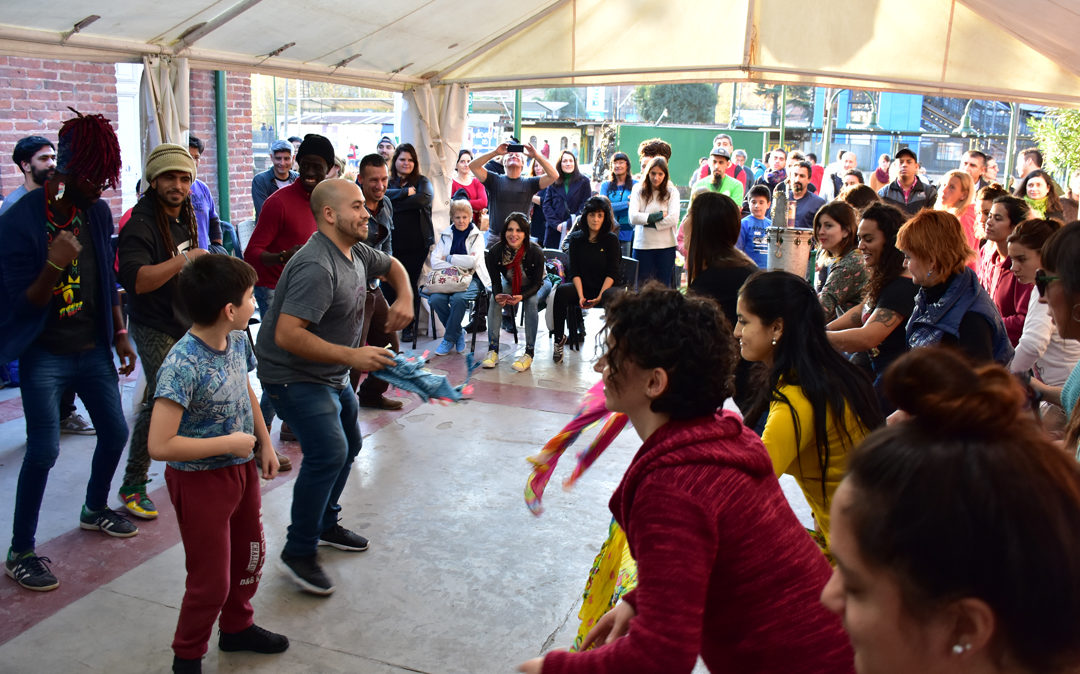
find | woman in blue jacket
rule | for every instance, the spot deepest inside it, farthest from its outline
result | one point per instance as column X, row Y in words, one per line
column 564, row 199
column 617, row 189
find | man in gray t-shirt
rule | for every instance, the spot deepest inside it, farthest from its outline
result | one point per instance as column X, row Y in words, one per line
column 509, row 193
column 307, row 344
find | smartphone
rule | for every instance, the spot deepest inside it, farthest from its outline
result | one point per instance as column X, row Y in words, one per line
column 515, row 147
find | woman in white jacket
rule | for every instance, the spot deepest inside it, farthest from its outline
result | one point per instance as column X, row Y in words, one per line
column 460, row 245
column 1041, row 350
column 654, row 210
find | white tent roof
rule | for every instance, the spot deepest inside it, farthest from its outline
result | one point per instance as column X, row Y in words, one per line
column 969, row 48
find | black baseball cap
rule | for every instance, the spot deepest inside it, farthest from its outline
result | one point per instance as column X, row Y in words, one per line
column 909, row 152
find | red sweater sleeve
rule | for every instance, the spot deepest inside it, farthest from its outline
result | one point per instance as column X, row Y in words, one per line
column 675, row 543
column 1014, row 325
column 266, row 231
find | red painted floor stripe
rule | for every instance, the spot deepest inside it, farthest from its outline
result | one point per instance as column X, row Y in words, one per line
column 87, row 560
column 11, row 409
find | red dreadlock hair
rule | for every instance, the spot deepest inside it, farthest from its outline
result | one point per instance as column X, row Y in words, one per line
column 89, row 148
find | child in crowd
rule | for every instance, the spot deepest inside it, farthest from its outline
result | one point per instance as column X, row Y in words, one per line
column 752, row 239
column 207, row 425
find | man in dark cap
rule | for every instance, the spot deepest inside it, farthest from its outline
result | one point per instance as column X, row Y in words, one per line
column 907, row 192
column 386, row 148
column 274, row 178
column 285, row 224
column 59, row 315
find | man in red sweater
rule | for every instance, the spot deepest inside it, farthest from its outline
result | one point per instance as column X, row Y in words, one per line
column 725, row 570
column 285, row 224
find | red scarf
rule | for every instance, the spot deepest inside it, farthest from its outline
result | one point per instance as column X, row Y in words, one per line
column 515, row 270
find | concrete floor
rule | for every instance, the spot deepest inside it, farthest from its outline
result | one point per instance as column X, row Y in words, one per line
column 460, row 576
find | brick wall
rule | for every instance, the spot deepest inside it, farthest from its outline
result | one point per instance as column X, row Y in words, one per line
column 238, row 112
column 35, row 97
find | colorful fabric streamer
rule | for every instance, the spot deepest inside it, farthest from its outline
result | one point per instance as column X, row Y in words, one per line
column 591, row 411
column 408, row 374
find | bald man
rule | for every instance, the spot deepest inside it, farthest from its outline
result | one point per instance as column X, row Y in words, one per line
column 307, row 344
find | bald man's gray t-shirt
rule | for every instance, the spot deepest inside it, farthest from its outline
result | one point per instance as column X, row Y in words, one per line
column 320, row 285
column 506, row 195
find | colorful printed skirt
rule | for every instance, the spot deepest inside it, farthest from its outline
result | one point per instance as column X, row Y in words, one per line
column 613, row 574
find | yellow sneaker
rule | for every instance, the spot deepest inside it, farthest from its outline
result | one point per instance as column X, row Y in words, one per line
column 138, row 503
column 523, row 363
column 491, row 360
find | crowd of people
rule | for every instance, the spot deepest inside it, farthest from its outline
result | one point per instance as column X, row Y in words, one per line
column 926, row 360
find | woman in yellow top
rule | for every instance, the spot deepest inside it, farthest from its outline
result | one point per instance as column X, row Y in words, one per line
column 809, row 386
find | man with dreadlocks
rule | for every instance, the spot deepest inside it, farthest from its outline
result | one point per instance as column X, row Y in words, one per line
column 158, row 240
column 59, row 315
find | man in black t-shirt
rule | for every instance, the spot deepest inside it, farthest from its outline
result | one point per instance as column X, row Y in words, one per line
column 158, row 240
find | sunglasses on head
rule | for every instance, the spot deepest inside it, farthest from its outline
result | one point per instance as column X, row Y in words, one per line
column 1042, row 279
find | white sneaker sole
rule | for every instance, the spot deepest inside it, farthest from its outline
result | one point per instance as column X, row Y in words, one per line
column 303, row 584
column 346, row 548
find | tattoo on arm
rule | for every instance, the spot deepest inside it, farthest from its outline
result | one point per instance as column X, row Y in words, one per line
column 887, row 317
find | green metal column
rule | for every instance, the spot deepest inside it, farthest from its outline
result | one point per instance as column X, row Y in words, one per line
column 221, row 123
column 517, row 114
column 783, row 113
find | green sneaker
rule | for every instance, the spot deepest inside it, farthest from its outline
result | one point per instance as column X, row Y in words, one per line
column 137, row 502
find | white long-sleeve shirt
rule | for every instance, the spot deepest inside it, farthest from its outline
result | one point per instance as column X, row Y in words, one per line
column 1042, row 349
column 663, row 235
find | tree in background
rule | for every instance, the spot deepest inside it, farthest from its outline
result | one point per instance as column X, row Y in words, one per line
column 574, row 99
column 686, row 103
column 1058, row 136
column 802, row 97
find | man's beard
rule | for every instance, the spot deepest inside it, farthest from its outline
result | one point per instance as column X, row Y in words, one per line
column 40, row 176
column 797, row 188
column 717, row 178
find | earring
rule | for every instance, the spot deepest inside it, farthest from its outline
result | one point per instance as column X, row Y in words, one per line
column 929, row 273
column 1076, row 313
column 774, row 341
column 960, row 649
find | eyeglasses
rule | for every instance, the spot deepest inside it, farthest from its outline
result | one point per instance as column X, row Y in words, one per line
column 1042, row 279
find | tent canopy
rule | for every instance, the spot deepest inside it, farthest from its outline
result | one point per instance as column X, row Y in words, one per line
column 996, row 49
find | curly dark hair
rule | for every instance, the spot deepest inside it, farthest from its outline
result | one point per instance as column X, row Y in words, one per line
column 698, row 350
column 889, row 219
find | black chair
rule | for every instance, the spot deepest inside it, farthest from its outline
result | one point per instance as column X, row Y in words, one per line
column 479, row 302
column 629, row 271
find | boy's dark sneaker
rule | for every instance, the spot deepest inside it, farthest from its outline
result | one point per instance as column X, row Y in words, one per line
column 341, row 538
column 109, row 521
column 308, row 574
column 185, row 666
column 31, row 571
column 254, row 639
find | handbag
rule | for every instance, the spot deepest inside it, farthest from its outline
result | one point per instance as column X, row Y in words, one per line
column 446, row 281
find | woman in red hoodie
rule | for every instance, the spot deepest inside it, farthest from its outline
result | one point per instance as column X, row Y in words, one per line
column 724, row 568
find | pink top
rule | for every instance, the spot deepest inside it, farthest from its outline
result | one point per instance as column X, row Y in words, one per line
column 478, row 198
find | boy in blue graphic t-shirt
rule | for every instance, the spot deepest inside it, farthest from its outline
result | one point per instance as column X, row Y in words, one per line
column 207, row 425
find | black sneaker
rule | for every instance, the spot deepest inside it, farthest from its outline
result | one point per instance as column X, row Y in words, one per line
column 306, row 572
column 32, row 572
column 341, row 538
column 109, row 521
column 186, row 666
column 254, row 639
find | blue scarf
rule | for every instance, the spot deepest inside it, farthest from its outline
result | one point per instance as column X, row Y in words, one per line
column 458, row 245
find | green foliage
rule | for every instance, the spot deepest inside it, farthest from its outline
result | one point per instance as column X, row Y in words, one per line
column 796, row 96
column 574, row 99
column 685, row 103
column 1058, row 136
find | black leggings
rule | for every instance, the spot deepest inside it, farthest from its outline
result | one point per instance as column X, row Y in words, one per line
column 568, row 309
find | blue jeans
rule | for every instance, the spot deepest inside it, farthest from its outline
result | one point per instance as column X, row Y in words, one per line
column 264, row 297
column 325, row 422
column 655, row 263
column 92, row 374
column 529, row 305
column 450, row 308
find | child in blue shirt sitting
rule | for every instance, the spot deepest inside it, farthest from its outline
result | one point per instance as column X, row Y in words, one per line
column 207, row 425
column 752, row 239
